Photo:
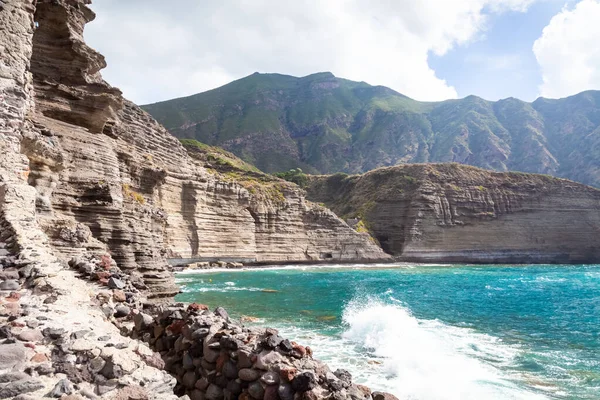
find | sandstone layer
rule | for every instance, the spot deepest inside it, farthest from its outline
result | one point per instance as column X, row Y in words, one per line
column 455, row 213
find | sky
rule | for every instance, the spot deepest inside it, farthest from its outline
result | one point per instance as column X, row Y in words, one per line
column 429, row 50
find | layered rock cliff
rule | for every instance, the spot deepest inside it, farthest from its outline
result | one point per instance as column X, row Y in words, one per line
column 103, row 177
column 449, row 212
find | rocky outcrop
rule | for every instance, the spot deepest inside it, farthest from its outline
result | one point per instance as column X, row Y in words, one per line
column 454, row 213
column 100, row 176
column 214, row 357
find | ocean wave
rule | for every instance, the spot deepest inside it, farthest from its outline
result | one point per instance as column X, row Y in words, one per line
column 427, row 359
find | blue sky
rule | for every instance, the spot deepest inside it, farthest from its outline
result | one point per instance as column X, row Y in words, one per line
column 429, row 50
column 501, row 63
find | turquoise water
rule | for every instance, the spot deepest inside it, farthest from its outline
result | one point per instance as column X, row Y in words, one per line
column 431, row 332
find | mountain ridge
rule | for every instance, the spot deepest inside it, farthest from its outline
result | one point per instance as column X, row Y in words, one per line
column 325, row 124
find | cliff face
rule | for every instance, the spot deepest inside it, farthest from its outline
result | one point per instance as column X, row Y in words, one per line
column 89, row 172
column 324, row 124
column 448, row 212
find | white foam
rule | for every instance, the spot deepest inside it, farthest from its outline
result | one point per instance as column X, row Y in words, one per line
column 387, row 348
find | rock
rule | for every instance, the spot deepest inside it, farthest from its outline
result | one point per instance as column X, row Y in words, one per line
column 5, row 332
column 286, row 346
column 32, row 323
column 248, row 374
column 119, row 296
column 13, row 389
column 142, row 321
column 230, row 370
column 285, row 391
column 199, row 334
column 220, row 311
column 9, row 274
column 195, row 307
column 195, row 395
column 189, row 379
column 30, row 335
column 53, row 333
column 244, row 358
column 82, row 345
column 304, row 382
column 39, row 358
column 271, row 393
column 234, row 387
column 10, row 284
column 383, row 396
column 122, row 311
column 114, row 283
column 13, row 376
column 11, row 354
column 288, row 374
column 270, row 378
column 343, row 375
column 96, row 364
column 256, row 390
column 63, row 386
column 202, row 384
column 272, row 341
column 267, row 358
column 214, row 392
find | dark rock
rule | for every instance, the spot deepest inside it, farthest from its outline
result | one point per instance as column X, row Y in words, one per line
column 271, row 393
column 383, row 396
column 53, row 333
column 220, row 311
column 189, row 379
column 286, row 346
column 234, row 387
column 13, row 389
column 79, row 334
column 115, row 283
column 104, row 338
column 256, row 390
column 244, row 358
column 200, row 333
column 343, row 375
column 248, row 374
column 229, row 343
column 10, row 284
column 5, row 332
column 44, row 369
column 51, row 299
column 272, row 341
column 230, row 370
column 63, row 386
column 214, row 393
column 304, row 382
column 112, row 370
column 202, row 384
column 285, row 391
column 270, row 378
column 122, row 311
column 188, row 361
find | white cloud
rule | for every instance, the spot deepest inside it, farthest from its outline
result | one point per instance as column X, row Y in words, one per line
column 568, row 51
column 159, row 50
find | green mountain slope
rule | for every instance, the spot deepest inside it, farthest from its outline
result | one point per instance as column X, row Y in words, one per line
column 325, row 124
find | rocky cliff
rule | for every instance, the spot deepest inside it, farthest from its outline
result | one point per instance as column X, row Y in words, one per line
column 450, row 212
column 324, row 124
column 93, row 173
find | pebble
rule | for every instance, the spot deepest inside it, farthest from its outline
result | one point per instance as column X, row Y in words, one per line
column 63, row 387
column 122, row 311
column 10, row 284
column 248, row 375
column 115, row 283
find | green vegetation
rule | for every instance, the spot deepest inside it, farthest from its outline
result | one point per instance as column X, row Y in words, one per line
column 325, row 124
column 294, row 175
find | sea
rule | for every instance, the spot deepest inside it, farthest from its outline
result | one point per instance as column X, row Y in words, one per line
column 429, row 332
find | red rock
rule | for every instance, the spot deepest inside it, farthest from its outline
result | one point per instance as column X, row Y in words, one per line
column 17, row 324
column 197, row 307
column 300, row 350
column 39, row 358
column 103, row 282
column 176, row 326
column 309, row 352
column 221, row 361
column 119, row 296
column 13, row 297
column 98, row 276
column 30, row 345
column 105, row 262
column 288, row 374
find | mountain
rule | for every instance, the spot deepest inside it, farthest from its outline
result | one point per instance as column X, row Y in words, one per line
column 325, row 124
